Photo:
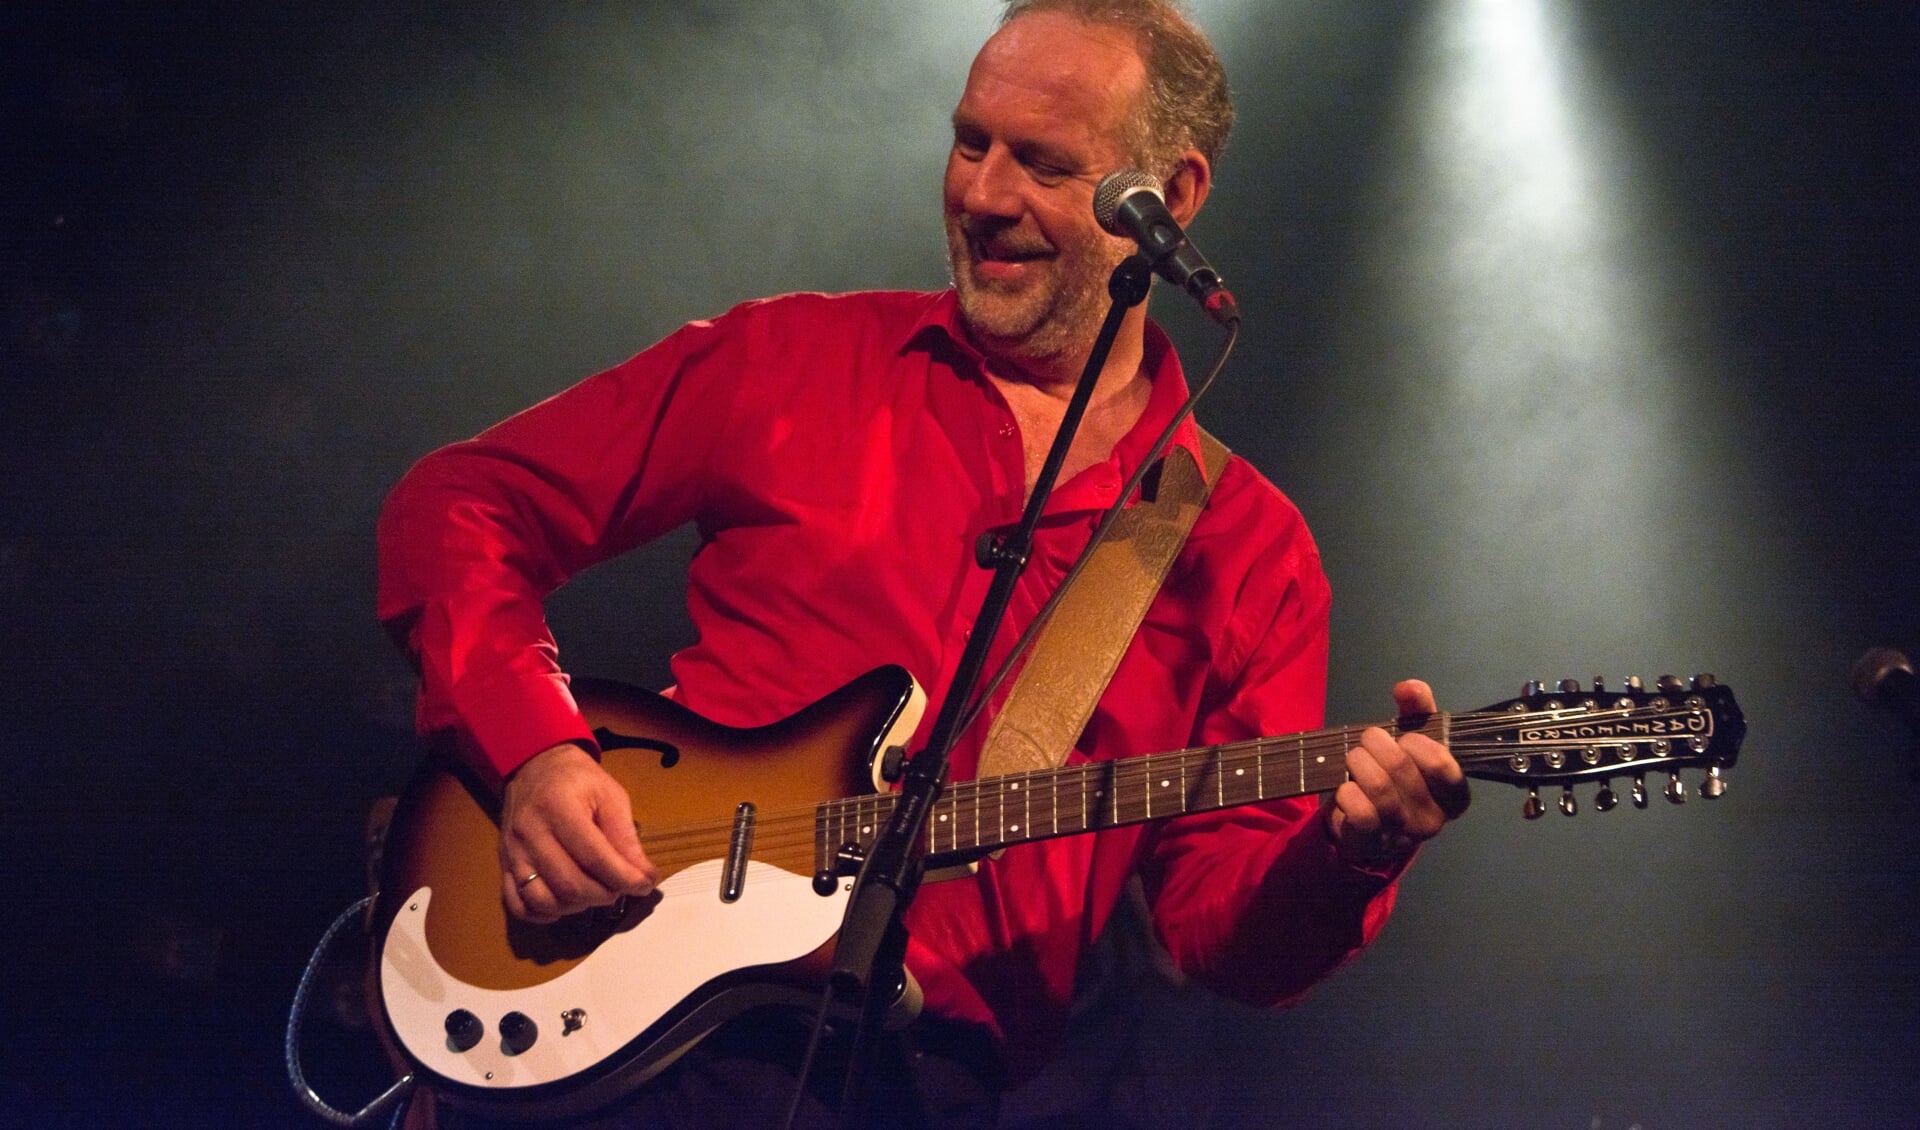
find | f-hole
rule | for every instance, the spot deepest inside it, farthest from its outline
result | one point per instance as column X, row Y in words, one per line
column 669, row 753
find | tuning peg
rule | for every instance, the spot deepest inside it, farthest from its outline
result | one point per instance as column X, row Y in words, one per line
column 1671, row 684
column 1531, row 688
column 1676, row 791
column 1634, row 683
column 1714, row 785
column 1568, row 805
column 1605, row 799
column 1533, row 809
column 1599, row 684
column 1705, row 681
column 1639, row 790
column 1569, row 686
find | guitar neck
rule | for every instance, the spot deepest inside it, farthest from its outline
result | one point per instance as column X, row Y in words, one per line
column 973, row 818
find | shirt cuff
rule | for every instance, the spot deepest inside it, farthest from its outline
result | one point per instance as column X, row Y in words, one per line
column 510, row 717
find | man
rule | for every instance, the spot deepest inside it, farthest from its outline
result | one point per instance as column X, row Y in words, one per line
column 841, row 455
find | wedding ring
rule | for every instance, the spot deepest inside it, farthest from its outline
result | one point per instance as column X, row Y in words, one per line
column 531, row 876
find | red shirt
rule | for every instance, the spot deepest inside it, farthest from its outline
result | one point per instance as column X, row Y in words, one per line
column 840, row 455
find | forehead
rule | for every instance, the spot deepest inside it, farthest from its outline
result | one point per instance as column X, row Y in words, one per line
column 1052, row 74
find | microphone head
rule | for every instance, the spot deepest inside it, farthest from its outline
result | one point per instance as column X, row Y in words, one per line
column 1115, row 187
column 1871, row 671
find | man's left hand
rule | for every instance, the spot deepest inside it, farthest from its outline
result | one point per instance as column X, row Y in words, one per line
column 1399, row 792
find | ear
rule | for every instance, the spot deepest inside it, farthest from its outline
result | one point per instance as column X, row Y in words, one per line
column 1186, row 190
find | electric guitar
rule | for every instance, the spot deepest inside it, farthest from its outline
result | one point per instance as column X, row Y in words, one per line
column 757, row 833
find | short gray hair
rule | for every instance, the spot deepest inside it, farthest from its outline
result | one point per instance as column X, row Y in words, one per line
column 1187, row 105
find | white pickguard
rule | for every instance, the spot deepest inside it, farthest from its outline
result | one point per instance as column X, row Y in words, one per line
column 633, row 979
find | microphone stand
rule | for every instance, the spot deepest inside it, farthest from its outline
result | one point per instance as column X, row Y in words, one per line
column 869, row 958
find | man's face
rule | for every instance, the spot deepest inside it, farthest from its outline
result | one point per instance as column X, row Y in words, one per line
column 1042, row 119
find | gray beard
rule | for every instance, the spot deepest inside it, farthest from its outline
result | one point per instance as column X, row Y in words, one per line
column 1043, row 327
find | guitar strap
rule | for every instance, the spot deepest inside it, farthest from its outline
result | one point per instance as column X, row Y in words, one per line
column 1080, row 647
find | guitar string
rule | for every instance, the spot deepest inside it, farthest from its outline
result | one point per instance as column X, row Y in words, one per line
column 782, row 831
column 965, row 798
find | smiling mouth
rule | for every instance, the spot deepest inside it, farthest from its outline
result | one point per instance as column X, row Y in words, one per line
column 995, row 258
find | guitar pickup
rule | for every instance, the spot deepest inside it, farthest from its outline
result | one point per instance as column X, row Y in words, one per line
column 733, row 877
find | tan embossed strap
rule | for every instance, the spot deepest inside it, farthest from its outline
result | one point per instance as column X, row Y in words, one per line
column 1078, row 651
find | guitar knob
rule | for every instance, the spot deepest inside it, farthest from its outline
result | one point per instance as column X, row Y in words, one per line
column 1676, row 790
column 1605, row 799
column 463, row 1030
column 1533, row 809
column 1568, row 805
column 1639, row 790
column 517, row 1032
column 1715, row 784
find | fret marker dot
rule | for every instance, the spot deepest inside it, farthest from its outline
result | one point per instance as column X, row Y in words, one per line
column 1239, row 772
column 1165, row 783
column 943, row 818
column 866, row 830
column 1015, row 787
column 1015, row 828
column 1321, row 760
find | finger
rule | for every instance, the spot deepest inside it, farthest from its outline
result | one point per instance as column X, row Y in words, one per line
column 1412, row 696
column 1382, row 770
column 526, row 896
column 1445, row 781
column 615, row 821
column 562, row 886
column 1369, row 798
column 593, row 870
column 1353, row 816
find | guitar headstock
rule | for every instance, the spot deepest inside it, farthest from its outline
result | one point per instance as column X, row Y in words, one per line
column 1565, row 735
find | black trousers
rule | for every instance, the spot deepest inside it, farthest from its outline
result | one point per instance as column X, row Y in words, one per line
column 933, row 1076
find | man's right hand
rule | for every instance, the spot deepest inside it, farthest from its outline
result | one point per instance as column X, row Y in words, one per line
column 567, row 840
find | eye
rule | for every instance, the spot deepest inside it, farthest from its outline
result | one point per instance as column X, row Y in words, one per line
column 1047, row 174
column 1045, row 164
column 969, row 143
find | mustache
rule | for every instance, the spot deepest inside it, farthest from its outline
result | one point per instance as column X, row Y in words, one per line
column 1001, row 238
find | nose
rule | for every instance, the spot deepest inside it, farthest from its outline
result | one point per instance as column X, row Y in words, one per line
column 989, row 185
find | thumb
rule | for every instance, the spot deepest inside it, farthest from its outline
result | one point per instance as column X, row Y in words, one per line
column 614, row 816
column 1412, row 696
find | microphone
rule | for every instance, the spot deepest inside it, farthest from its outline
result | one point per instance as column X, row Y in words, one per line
column 1884, row 677
column 1128, row 202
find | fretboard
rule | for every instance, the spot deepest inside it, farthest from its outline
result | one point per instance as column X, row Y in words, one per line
column 975, row 817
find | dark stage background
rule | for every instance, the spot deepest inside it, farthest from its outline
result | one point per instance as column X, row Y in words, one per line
column 1583, row 335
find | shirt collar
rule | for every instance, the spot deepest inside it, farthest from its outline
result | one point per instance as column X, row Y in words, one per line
column 940, row 319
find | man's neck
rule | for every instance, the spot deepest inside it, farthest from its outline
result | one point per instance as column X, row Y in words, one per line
column 1040, row 406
